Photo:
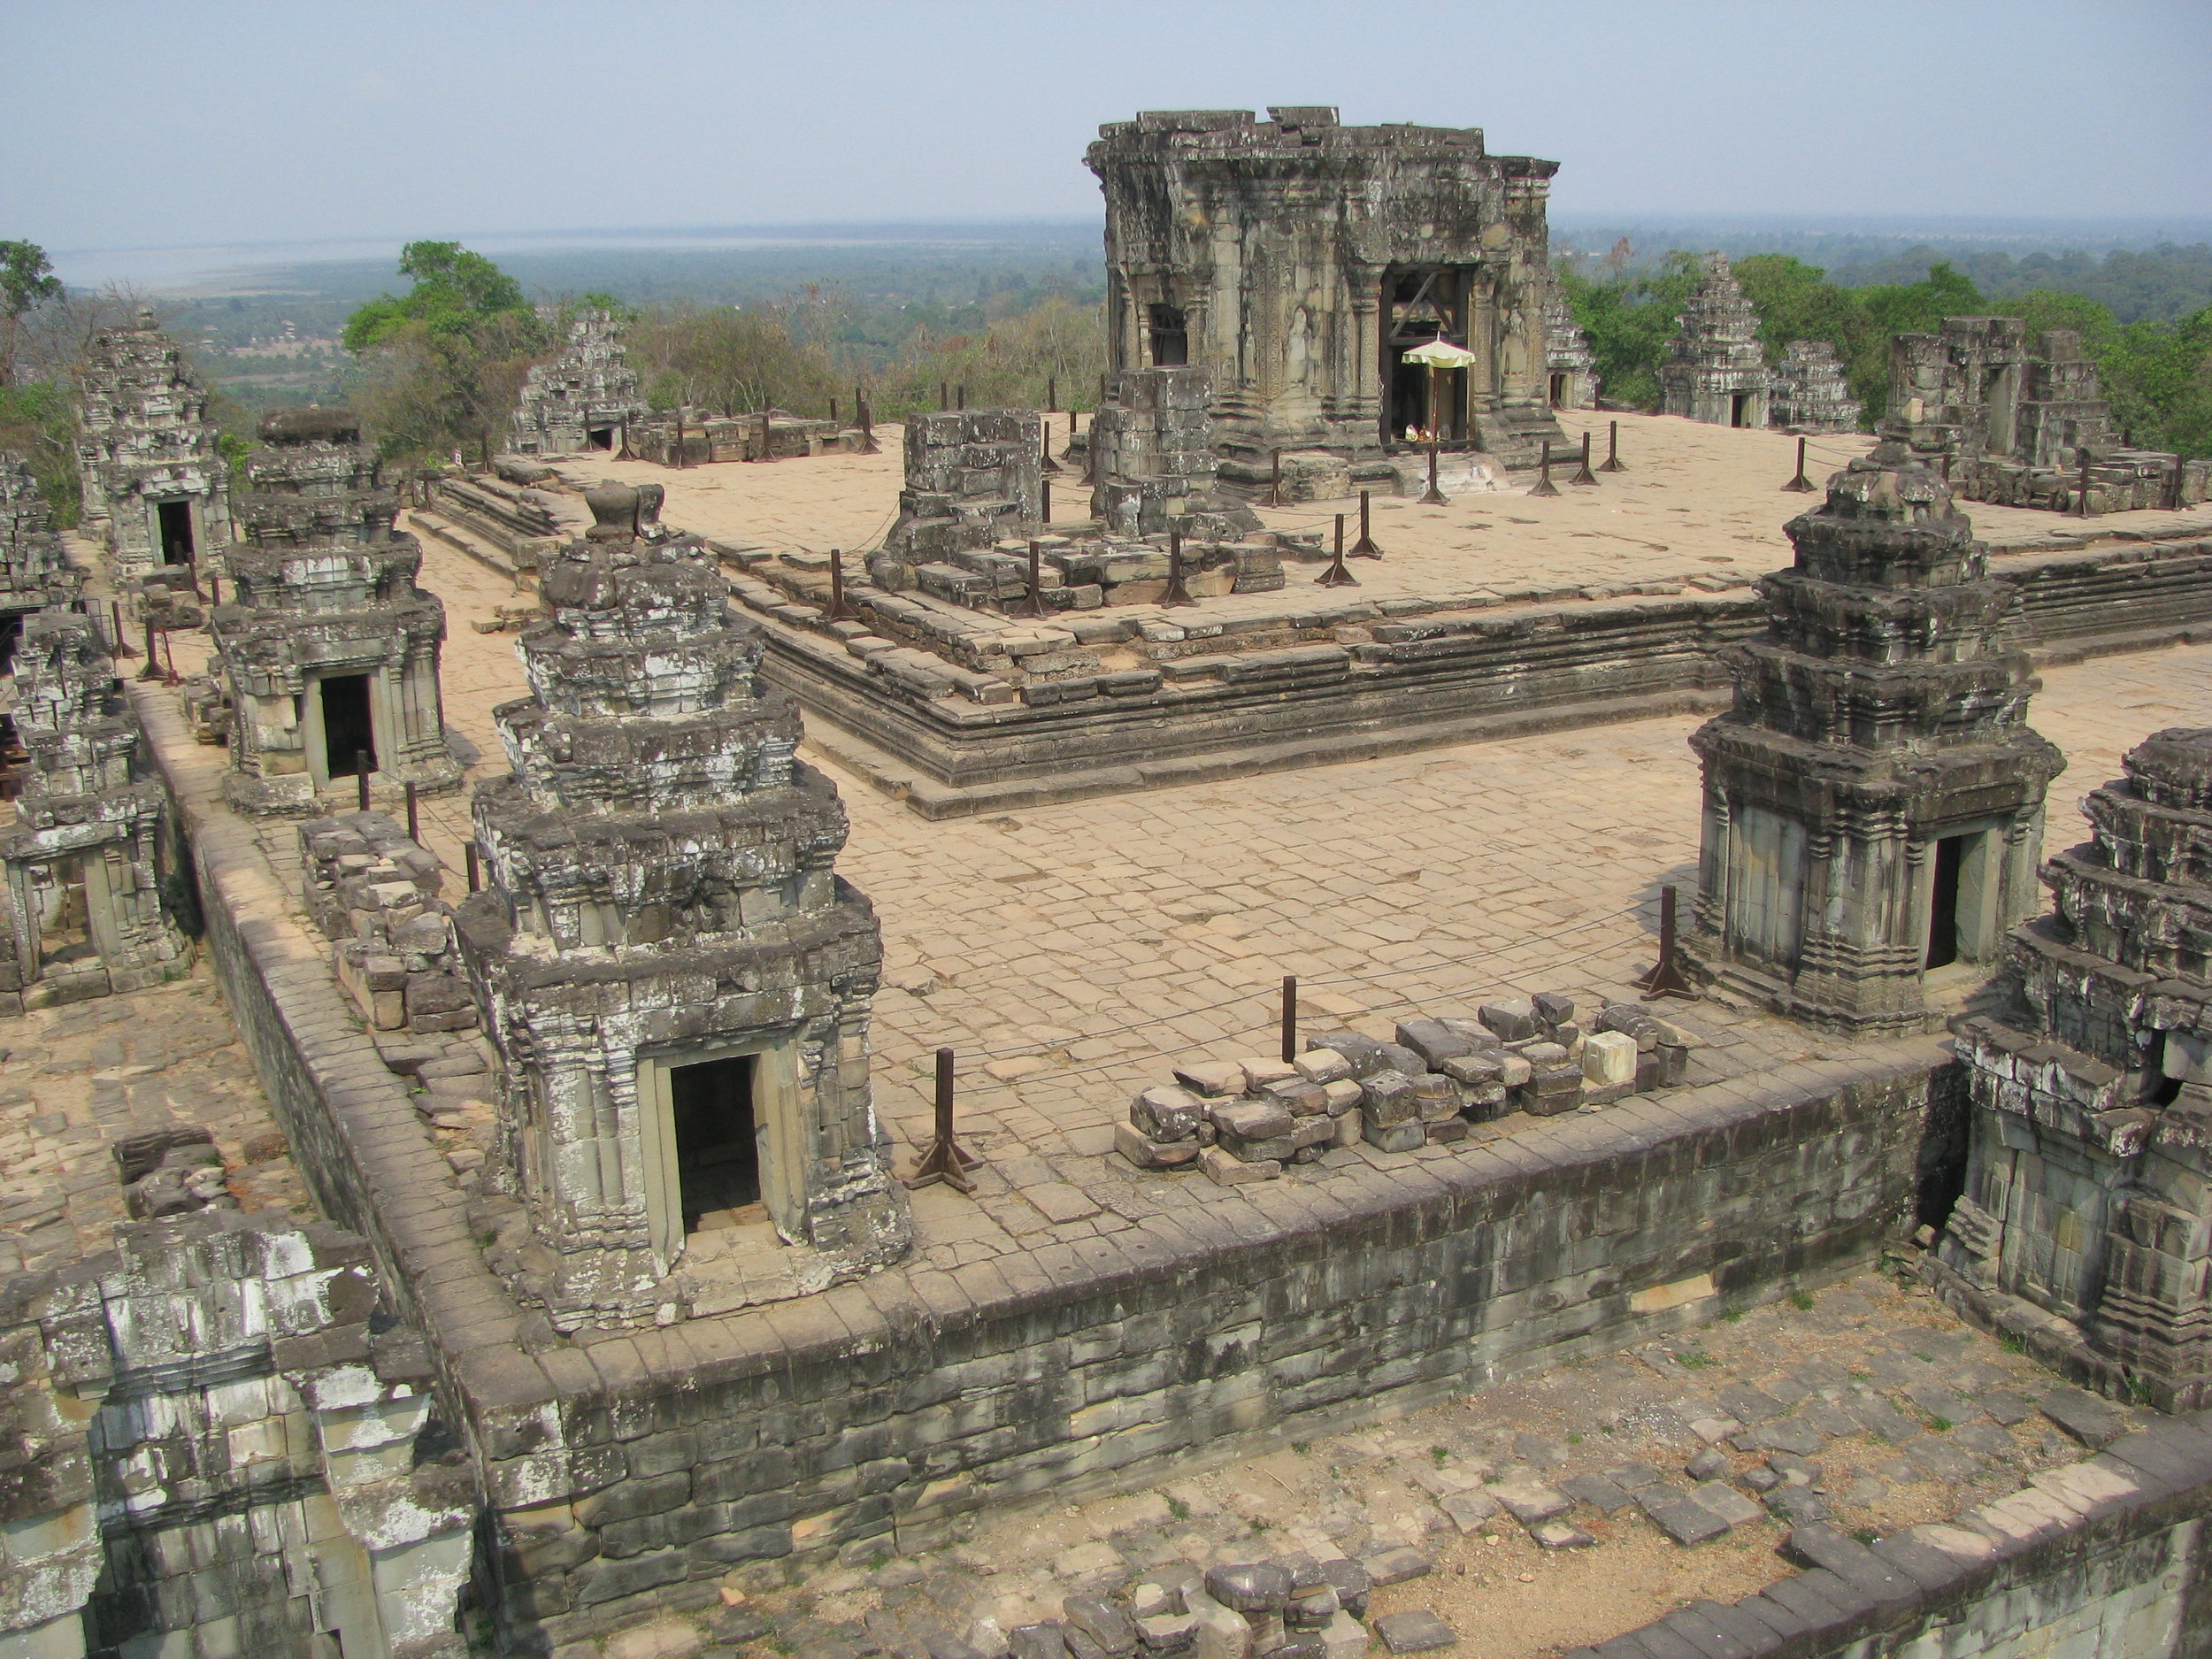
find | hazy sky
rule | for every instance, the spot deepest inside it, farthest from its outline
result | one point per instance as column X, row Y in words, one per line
column 156, row 124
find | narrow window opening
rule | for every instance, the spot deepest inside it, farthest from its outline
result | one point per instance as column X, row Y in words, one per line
column 718, row 1150
column 1171, row 337
column 176, row 532
column 349, row 733
column 1943, row 903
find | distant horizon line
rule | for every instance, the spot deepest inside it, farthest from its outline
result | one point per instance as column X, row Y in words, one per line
column 1881, row 223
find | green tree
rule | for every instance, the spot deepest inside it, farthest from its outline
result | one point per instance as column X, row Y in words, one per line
column 446, row 359
column 1630, row 321
column 728, row 360
column 27, row 281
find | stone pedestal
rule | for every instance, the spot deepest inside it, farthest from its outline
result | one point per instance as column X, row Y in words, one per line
column 1153, row 442
column 157, row 490
column 327, row 647
column 677, row 979
column 973, row 476
column 1874, row 799
column 2088, row 1190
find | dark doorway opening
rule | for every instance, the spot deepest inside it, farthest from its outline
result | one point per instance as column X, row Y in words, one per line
column 349, row 733
column 1943, row 903
column 1739, row 408
column 1171, row 337
column 64, row 929
column 1421, row 303
column 718, row 1151
column 599, row 437
column 11, row 636
column 1559, row 391
column 176, row 531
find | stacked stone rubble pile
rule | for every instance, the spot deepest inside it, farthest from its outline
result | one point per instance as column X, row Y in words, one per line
column 521, row 522
column 973, row 477
column 1247, row 1119
column 688, row 437
column 374, row 893
column 1290, row 1607
column 1151, row 447
column 172, row 1173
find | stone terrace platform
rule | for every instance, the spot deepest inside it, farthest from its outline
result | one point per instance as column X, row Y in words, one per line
column 1069, row 953
column 1500, row 612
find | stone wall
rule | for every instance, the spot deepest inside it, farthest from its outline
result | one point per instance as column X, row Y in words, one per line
column 2104, row 1557
column 1275, row 700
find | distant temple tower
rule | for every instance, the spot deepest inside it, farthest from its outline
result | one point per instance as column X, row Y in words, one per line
column 1299, row 260
column 583, row 399
column 1570, row 368
column 157, row 489
column 1717, row 374
column 677, row 979
column 328, row 650
column 2088, row 1190
column 1874, row 799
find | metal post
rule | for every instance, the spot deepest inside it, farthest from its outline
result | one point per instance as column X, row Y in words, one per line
column 122, row 647
column 1290, row 1018
column 361, row 774
column 476, row 868
column 1035, row 605
column 1583, row 474
column 1613, row 450
column 680, row 440
column 1336, row 575
column 944, row 1161
column 414, row 821
column 1275, row 479
column 152, row 670
column 944, row 397
column 1046, row 463
column 833, row 420
column 963, row 393
column 839, row 610
column 1365, row 548
column 1044, row 501
column 214, row 591
column 1666, row 978
column 1052, row 394
column 766, row 454
column 867, row 425
column 2173, row 485
column 1177, row 594
column 2081, row 492
column 1800, row 484
column 1544, row 486
column 1433, row 497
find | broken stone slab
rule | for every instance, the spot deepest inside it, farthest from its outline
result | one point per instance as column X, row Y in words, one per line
column 1035, row 1641
column 1707, row 1465
column 1225, row 1169
column 1469, row 1511
column 1798, row 1505
column 1323, row 1065
column 1609, row 1061
column 1222, row 1631
column 1418, row 1631
column 2004, row 1406
column 1362, row 1054
column 1597, row 1492
column 1395, row 1566
column 1214, row 1078
column 1168, row 1634
column 1530, row 1503
column 1351, row 1583
column 1434, row 1040
column 1560, row 1535
column 1751, row 1405
column 1685, row 1521
column 1725, row 1502
column 2095, row 1423
column 1251, row 1120
column 1510, row 1019
column 1346, row 1637
column 1165, row 1113
column 1789, row 1434
column 1310, row 1607
column 1249, row 1587
column 1390, row 1099
column 1153, row 1155
column 1406, row 1137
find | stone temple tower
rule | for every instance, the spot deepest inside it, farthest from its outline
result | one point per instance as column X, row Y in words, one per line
column 2088, row 1193
column 1874, row 799
column 677, row 979
column 1717, row 372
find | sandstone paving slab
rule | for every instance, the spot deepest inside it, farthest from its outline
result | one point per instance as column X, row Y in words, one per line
column 1418, row 1631
column 2094, row 1422
column 2004, row 1407
column 1597, row 1491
